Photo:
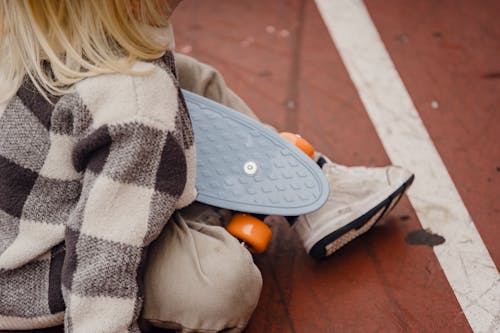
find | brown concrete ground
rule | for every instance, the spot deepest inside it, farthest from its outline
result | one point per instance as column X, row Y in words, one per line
column 280, row 58
column 444, row 53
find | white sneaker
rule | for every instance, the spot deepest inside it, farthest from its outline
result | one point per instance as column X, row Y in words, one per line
column 359, row 197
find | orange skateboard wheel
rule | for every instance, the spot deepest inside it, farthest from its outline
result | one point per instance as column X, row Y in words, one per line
column 253, row 232
column 299, row 142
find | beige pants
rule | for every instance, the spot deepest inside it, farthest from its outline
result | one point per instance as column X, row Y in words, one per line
column 198, row 277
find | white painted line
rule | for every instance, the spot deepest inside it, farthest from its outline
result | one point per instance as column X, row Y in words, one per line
column 464, row 258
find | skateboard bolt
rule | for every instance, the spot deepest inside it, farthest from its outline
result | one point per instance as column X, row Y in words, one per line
column 250, row 167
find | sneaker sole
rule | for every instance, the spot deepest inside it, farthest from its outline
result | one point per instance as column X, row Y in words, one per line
column 337, row 239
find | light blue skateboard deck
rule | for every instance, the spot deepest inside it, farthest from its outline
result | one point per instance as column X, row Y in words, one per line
column 244, row 166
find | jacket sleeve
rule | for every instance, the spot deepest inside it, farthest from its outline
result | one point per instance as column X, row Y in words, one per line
column 134, row 171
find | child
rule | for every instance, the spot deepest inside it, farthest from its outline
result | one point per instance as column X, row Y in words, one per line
column 97, row 154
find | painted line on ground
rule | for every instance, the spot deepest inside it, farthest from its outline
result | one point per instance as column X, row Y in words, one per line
column 465, row 260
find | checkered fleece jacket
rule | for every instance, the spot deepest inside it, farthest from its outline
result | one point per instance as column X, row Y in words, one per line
column 86, row 184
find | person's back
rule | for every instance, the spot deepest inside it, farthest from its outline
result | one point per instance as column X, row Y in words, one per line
column 96, row 152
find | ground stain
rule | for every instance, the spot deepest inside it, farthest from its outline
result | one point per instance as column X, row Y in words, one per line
column 437, row 35
column 265, row 73
column 404, row 217
column 403, row 38
column 424, row 237
column 491, row 76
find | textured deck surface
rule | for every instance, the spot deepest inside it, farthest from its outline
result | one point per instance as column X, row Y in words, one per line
column 279, row 56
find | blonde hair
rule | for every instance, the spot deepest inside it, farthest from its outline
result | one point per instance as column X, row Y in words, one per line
column 76, row 39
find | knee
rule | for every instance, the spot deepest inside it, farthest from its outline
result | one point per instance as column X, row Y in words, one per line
column 233, row 286
column 238, row 279
column 202, row 278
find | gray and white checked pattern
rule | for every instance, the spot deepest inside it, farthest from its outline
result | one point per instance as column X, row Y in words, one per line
column 86, row 184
